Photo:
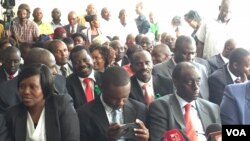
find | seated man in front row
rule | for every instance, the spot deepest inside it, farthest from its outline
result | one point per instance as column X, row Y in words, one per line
column 183, row 110
column 101, row 119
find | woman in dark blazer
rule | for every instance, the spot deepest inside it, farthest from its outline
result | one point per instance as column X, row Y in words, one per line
column 42, row 115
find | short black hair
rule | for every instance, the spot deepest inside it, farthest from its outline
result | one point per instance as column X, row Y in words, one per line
column 237, row 55
column 68, row 40
column 52, row 44
column 181, row 40
column 116, row 76
column 105, row 53
column 46, row 77
column 90, row 18
column 78, row 48
column 176, row 75
column 82, row 35
column 193, row 15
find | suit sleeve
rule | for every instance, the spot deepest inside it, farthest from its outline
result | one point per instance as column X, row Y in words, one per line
column 158, row 121
column 4, row 136
column 70, row 130
column 215, row 90
column 228, row 109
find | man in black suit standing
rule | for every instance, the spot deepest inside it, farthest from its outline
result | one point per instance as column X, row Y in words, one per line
column 236, row 71
column 145, row 87
column 102, row 118
column 9, row 95
column 82, row 84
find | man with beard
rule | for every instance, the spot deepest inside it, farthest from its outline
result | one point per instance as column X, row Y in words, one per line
column 184, row 51
column 59, row 49
column 81, row 84
column 145, row 87
column 102, row 118
column 171, row 111
column 119, row 47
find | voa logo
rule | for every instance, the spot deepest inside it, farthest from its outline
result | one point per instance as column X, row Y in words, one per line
column 236, row 132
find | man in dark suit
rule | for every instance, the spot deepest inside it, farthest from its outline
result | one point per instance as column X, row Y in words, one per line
column 59, row 49
column 121, row 57
column 233, row 109
column 236, row 71
column 142, row 65
column 97, row 121
column 169, row 112
column 184, row 51
column 10, row 64
column 217, row 61
column 9, row 95
column 82, row 71
column 73, row 26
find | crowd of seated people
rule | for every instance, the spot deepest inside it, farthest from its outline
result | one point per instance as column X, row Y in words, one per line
column 83, row 81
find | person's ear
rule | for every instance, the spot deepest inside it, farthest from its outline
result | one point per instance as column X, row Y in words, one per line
column 235, row 65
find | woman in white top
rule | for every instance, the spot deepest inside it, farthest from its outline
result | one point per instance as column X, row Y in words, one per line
column 94, row 30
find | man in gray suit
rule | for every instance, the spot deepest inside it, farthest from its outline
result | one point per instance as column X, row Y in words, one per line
column 185, row 50
column 168, row 112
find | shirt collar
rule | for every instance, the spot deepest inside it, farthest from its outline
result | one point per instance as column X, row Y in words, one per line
column 231, row 74
column 174, row 61
column 183, row 102
column 15, row 74
column 91, row 76
column 150, row 82
column 225, row 60
column 106, row 107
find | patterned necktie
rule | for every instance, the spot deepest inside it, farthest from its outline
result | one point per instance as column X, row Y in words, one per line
column 148, row 97
column 88, row 90
column 190, row 131
column 64, row 71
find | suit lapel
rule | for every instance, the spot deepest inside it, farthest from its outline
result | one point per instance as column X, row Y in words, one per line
column 100, row 114
column 171, row 66
column 20, row 124
column 246, row 91
column 129, row 113
column 203, row 114
column 177, row 112
column 229, row 79
column 51, row 124
column 136, row 90
column 79, row 89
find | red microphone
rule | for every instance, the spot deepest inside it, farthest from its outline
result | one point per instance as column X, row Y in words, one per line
column 213, row 132
column 173, row 135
